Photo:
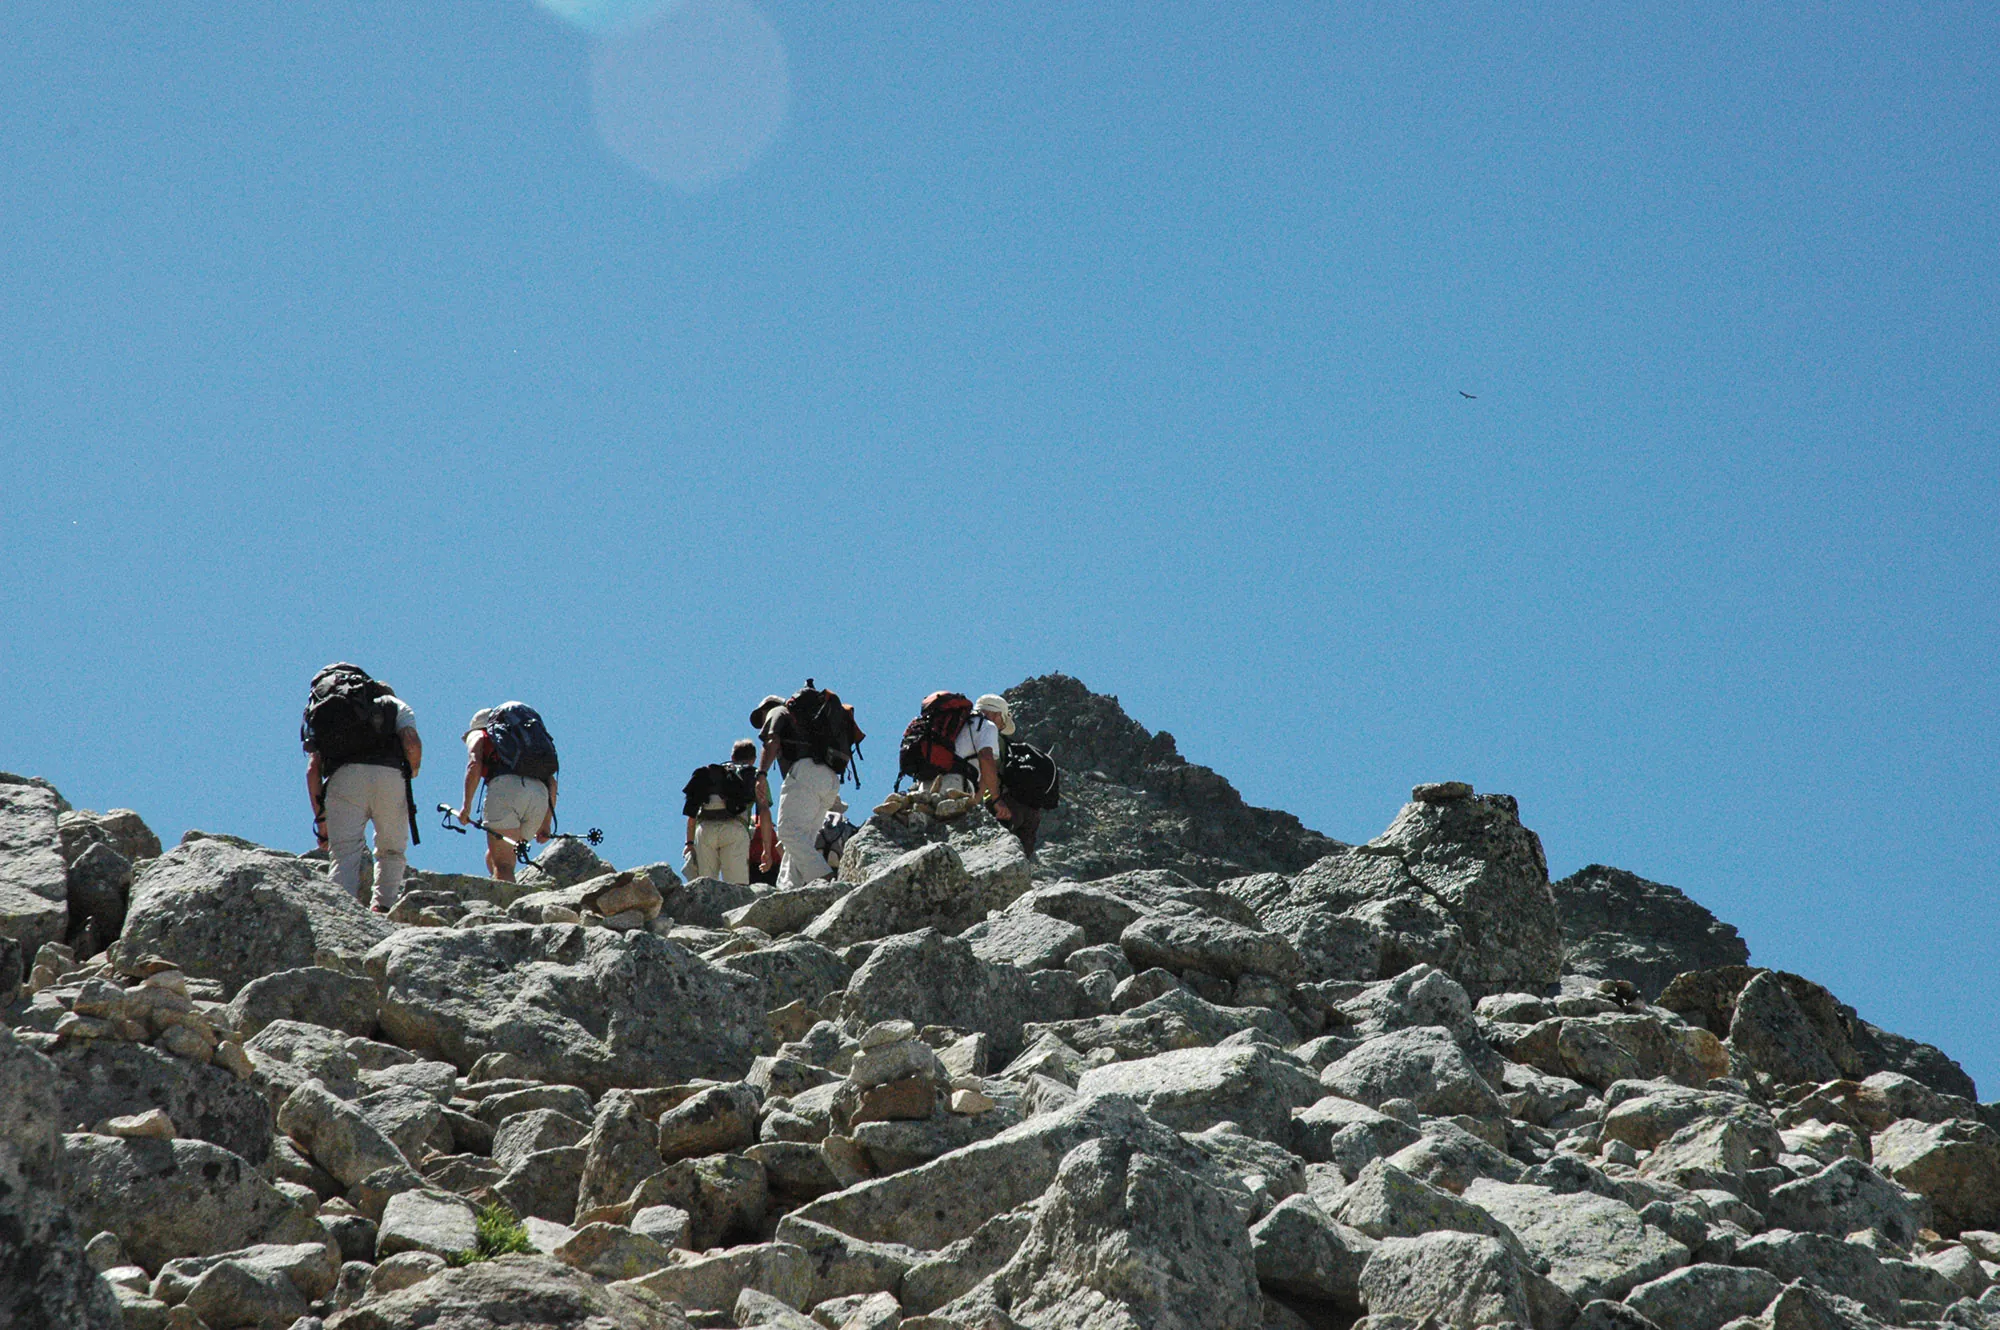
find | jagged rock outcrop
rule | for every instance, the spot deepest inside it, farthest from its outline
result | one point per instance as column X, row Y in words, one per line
column 1594, row 1246
column 1130, row 800
column 1199, row 1068
column 99, row 889
column 169, row 1198
column 514, row 1290
column 98, row 1079
column 934, row 979
column 1461, row 1279
column 1125, row 1237
column 1471, row 852
column 581, row 1006
column 34, row 881
column 1955, row 1165
column 1456, row 882
column 122, row 829
column 929, row 887
column 232, row 912
column 46, row 1282
column 1881, row 1050
column 1793, row 1031
column 1617, row 925
column 100, row 853
column 565, row 863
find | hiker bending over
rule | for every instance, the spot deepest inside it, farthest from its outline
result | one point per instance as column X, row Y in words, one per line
column 978, row 749
column 956, row 743
column 811, row 736
column 717, row 801
column 509, row 749
column 986, row 735
column 363, row 752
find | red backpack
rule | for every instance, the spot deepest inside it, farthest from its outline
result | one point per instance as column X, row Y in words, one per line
column 928, row 748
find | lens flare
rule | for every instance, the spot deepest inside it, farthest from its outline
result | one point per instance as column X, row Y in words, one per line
column 694, row 96
column 605, row 17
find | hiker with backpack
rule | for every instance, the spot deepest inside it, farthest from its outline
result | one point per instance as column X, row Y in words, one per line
column 508, row 749
column 717, row 801
column 1033, row 786
column 364, row 751
column 813, row 738
column 833, row 834
column 956, row 744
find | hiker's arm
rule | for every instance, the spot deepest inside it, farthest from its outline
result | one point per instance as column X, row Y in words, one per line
column 313, row 797
column 474, row 769
column 770, row 755
column 413, row 750
column 548, row 818
column 989, row 784
column 690, row 839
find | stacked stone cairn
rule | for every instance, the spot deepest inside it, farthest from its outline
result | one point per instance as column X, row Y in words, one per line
column 1195, row 1067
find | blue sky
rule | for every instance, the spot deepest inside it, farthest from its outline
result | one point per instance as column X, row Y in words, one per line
column 916, row 346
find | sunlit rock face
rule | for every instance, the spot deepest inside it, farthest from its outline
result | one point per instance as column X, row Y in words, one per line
column 1190, row 1066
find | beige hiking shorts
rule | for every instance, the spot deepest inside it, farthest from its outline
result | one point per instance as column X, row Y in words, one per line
column 515, row 806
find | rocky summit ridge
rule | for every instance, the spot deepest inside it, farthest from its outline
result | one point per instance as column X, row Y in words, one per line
column 1195, row 1065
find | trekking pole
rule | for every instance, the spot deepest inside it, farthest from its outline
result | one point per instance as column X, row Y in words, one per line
column 451, row 824
column 594, row 836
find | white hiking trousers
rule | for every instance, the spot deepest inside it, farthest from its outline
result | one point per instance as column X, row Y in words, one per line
column 357, row 794
column 804, row 800
column 722, row 849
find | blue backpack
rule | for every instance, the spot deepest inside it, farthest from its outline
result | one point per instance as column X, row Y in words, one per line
column 521, row 744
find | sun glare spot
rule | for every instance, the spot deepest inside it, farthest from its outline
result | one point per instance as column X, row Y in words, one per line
column 603, row 17
column 693, row 95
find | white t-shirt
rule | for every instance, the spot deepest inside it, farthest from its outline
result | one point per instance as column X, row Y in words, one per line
column 979, row 735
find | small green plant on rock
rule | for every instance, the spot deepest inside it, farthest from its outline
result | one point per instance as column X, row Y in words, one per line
column 500, row 1233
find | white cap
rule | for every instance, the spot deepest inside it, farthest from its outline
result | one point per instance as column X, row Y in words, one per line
column 995, row 705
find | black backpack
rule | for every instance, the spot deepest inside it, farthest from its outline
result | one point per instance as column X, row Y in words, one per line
column 1029, row 776
column 521, row 744
column 349, row 718
column 832, row 837
column 734, row 782
column 824, row 730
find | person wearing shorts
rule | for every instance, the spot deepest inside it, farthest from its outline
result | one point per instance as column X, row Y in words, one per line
column 517, row 809
column 718, row 838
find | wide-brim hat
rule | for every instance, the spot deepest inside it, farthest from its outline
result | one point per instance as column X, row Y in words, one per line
column 995, row 705
column 480, row 720
column 763, row 709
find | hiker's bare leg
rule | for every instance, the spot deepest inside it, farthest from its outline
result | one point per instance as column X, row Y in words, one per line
column 499, row 857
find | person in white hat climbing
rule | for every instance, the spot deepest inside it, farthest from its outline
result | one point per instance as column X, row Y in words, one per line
column 979, row 745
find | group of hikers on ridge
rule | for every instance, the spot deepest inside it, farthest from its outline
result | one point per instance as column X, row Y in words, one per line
column 364, row 753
